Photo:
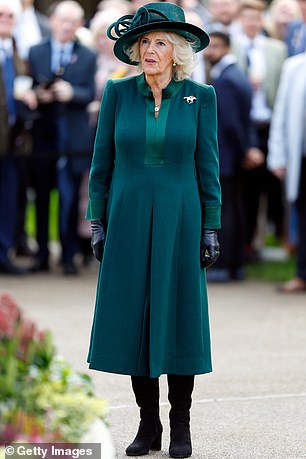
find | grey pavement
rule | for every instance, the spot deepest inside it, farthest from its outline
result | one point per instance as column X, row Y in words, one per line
column 252, row 406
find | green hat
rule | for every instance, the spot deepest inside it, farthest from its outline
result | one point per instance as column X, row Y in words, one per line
column 148, row 18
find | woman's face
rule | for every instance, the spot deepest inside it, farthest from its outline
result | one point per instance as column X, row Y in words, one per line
column 156, row 54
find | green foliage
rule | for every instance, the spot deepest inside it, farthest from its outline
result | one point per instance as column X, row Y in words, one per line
column 272, row 271
column 42, row 398
column 30, row 223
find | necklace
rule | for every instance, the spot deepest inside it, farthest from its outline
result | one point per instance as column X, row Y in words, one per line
column 157, row 107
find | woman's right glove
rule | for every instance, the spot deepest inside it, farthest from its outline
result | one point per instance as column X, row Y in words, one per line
column 210, row 249
column 97, row 238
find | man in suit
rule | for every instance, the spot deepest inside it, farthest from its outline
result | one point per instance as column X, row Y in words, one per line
column 287, row 153
column 10, row 133
column 296, row 33
column 261, row 58
column 63, row 72
column 31, row 27
column 237, row 147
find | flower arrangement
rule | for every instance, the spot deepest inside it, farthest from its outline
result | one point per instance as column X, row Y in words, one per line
column 42, row 398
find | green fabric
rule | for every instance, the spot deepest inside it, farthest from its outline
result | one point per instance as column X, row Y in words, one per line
column 151, row 314
column 155, row 133
column 155, row 127
column 96, row 209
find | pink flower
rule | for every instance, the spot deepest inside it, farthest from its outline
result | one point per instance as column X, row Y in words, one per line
column 10, row 315
column 26, row 333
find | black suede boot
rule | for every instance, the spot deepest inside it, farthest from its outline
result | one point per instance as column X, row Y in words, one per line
column 180, row 390
column 150, row 429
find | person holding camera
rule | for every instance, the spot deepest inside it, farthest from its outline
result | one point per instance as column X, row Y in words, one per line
column 63, row 71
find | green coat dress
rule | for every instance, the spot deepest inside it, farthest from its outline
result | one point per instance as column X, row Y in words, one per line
column 155, row 183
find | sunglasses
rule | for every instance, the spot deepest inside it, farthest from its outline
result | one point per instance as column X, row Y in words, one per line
column 6, row 15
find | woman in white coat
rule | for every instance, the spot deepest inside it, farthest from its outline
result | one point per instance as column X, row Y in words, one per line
column 287, row 152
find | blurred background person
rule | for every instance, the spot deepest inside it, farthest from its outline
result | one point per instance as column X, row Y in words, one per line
column 296, row 32
column 199, row 72
column 31, row 27
column 235, row 139
column 278, row 15
column 197, row 7
column 296, row 43
column 108, row 67
column 11, row 132
column 287, row 153
column 116, row 7
column 63, row 72
column 261, row 58
column 224, row 13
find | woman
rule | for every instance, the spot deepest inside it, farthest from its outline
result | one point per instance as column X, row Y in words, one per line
column 107, row 67
column 279, row 14
column 154, row 192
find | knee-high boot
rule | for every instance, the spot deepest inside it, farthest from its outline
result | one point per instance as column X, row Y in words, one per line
column 179, row 395
column 150, row 429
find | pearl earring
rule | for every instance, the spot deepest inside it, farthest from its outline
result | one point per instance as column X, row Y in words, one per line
column 174, row 64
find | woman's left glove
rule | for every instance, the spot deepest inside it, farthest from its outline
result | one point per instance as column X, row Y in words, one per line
column 97, row 238
column 210, row 249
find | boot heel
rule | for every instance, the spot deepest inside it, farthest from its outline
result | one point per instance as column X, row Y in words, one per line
column 156, row 444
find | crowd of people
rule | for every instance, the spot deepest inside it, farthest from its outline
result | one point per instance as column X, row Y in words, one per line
column 53, row 78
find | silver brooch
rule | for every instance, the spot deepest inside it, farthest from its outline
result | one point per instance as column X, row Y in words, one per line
column 190, row 99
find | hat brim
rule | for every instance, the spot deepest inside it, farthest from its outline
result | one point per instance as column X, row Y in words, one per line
column 198, row 38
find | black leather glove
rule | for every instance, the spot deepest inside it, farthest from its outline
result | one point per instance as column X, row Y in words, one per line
column 209, row 248
column 97, row 238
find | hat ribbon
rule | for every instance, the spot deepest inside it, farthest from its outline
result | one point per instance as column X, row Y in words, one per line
column 129, row 22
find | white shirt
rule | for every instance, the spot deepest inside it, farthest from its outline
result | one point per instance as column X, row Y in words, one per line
column 6, row 48
column 198, row 73
column 304, row 131
column 27, row 32
column 60, row 51
column 260, row 111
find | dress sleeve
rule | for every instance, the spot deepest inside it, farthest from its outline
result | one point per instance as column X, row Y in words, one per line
column 103, row 157
column 207, row 161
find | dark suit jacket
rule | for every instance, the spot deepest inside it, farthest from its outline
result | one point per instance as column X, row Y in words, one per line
column 8, row 134
column 235, row 131
column 296, row 37
column 80, row 74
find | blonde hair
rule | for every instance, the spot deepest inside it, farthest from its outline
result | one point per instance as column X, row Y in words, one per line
column 183, row 55
column 275, row 28
column 100, row 22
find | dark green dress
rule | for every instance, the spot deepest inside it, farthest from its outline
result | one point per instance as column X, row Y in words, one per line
column 155, row 182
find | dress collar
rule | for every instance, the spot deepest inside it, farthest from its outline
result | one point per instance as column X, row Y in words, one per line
column 171, row 90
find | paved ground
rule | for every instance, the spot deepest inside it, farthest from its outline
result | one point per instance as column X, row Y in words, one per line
column 252, row 406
